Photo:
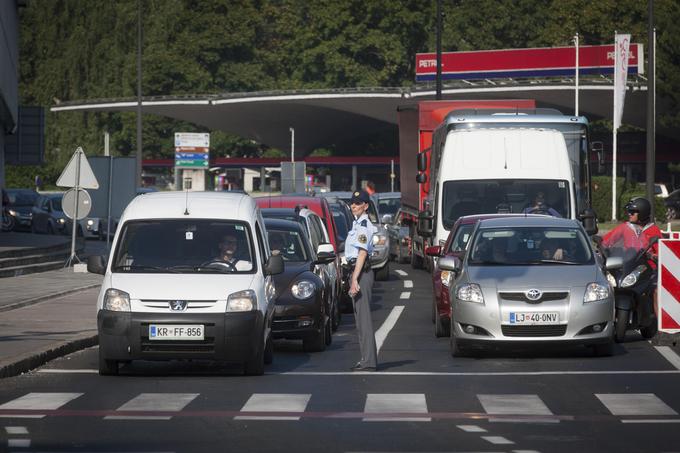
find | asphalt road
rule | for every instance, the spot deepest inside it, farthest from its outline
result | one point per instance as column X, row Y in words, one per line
column 422, row 399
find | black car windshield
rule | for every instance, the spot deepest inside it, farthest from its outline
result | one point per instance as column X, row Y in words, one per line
column 23, row 198
column 184, row 246
column 388, row 205
column 530, row 245
column 56, row 203
column 461, row 198
column 289, row 244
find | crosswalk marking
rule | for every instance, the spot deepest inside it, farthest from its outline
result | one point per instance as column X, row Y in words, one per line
column 400, row 272
column 408, row 283
column 164, row 402
column 387, row 326
column 634, row 404
column 471, row 428
column 405, row 295
column 38, row 401
column 514, row 404
column 497, row 440
column 19, row 443
column 274, row 402
column 15, row 430
column 391, row 403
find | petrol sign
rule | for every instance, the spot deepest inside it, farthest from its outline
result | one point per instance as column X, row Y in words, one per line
column 192, row 150
column 535, row 62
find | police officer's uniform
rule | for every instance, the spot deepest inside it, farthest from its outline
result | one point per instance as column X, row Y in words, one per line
column 361, row 237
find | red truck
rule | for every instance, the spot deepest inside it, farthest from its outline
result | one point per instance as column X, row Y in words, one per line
column 417, row 123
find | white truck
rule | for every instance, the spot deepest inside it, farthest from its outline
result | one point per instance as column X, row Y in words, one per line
column 504, row 163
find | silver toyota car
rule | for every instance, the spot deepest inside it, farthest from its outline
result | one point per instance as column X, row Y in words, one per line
column 531, row 279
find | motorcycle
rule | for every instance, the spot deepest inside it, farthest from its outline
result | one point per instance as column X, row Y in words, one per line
column 634, row 281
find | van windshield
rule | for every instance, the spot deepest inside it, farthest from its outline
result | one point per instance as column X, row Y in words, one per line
column 184, row 246
column 461, row 198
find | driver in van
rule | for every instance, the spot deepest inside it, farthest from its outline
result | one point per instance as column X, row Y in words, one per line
column 228, row 254
column 541, row 207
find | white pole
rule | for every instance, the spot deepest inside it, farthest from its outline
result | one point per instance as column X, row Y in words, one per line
column 79, row 153
column 392, row 175
column 577, row 75
column 614, row 127
column 292, row 156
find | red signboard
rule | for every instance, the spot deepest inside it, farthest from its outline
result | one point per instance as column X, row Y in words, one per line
column 536, row 62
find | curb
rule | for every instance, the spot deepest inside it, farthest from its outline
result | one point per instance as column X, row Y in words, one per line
column 32, row 360
column 36, row 300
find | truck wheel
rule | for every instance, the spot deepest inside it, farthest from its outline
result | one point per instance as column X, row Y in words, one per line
column 416, row 261
column 620, row 325
column 107, row 367
column 383, row 273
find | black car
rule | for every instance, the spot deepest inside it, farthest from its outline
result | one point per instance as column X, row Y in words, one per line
column 303, row 299
column 19, row 204
column 672, row 203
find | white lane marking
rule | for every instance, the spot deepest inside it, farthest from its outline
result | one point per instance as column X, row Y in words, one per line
column 391, row 403
column 514, row 404
column 81, row 371
column 405, row 295
column 274, row 402
column 489, row 373
column 38, row 401
column 408, row 283
column 166, row 402
column 471, row 428
column 663, row 420
column 19, row 443
column 16, row 430
column 400, row 272
column 387, row 326
column 634, row 404
column 497, row 440
column 669, row 355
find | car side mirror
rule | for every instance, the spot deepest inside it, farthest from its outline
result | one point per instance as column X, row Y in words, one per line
column 274, row 265
column 96, row 264
column 387, row 219
column 589, row 221
column 614, row 262
column 450, row 263
column 433, row 250
column 325, row 254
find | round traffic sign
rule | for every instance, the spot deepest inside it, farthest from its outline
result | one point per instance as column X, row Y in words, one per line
column 84, row 203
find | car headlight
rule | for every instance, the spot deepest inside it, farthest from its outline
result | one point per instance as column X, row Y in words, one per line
column 116, row 300
column 379, row 239
column 632, row 278
column 12, row 212
column 470, row 292
column 242, row 301
column 61, row 221
column 611, row 280
column 90, row 222
column 446, row 278
column 595, row 292
column 303, row 289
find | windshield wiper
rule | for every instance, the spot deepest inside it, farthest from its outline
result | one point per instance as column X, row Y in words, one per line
column 208, row 269
column 555, row 262
column 140, row 267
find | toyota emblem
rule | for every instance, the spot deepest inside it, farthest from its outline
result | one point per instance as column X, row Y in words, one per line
column 533, row 294
column 178, row 305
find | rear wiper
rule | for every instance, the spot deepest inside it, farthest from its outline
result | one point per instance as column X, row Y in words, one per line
column 140, row 267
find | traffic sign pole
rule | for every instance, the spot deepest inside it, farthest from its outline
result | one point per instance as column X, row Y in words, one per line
column 70, row 260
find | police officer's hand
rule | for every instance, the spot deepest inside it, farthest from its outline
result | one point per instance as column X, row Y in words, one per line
column 354, row 287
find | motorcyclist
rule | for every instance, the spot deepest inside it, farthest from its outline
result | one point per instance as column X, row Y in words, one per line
column 635, row 234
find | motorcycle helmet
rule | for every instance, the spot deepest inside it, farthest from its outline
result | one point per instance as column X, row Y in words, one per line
column 642, row 207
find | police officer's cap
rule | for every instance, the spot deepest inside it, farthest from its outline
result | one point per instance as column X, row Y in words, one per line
column 360, row 196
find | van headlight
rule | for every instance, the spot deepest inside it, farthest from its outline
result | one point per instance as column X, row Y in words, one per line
column 379, row 239
column 242, row 301
column 116, row 300
column 302, row 289
column 470, row 292
column 595, row 292
column 632, row 278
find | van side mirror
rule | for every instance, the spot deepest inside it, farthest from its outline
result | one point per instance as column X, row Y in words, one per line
column 425, row 223
column 325, row 254
column 274, row 265
column 96, row 264
column 422, row 161
column 589, row 221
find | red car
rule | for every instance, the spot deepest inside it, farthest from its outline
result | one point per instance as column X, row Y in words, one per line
column 455, row 245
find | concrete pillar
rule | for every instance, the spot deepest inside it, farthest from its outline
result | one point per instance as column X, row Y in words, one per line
column 263, row 175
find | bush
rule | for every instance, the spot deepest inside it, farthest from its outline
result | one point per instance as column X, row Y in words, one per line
column 602, row 198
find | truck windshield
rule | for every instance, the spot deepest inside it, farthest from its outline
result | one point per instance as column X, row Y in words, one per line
column 184, row 246
column 530, row 245
column 461, row 198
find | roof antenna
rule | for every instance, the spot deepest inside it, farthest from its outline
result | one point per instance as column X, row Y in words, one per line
column 186, row 203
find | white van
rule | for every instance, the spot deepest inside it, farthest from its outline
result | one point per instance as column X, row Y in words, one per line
column 501, row 170
column 189, row 277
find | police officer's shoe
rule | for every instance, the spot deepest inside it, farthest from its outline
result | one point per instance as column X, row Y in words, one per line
column 360, row 367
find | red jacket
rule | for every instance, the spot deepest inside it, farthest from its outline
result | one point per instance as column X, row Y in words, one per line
column 632, row 236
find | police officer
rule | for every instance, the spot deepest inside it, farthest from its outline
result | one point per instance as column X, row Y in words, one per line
column 358, row 248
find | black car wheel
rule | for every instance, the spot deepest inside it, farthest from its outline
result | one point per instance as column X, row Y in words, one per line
column 317, row 341
column 269, row 350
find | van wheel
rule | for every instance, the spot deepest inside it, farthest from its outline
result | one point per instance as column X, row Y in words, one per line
column 107, row 367
column 416, row 261
column 316, row 342
column 255, row 365
column 269, row 350
column 383, row 273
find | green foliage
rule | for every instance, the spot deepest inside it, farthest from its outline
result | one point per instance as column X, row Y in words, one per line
column 602, row 198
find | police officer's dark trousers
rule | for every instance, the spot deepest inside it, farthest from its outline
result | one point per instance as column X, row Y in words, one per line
column 364, row 322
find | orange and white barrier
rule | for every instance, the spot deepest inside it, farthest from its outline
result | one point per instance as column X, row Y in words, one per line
column 669, row 285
